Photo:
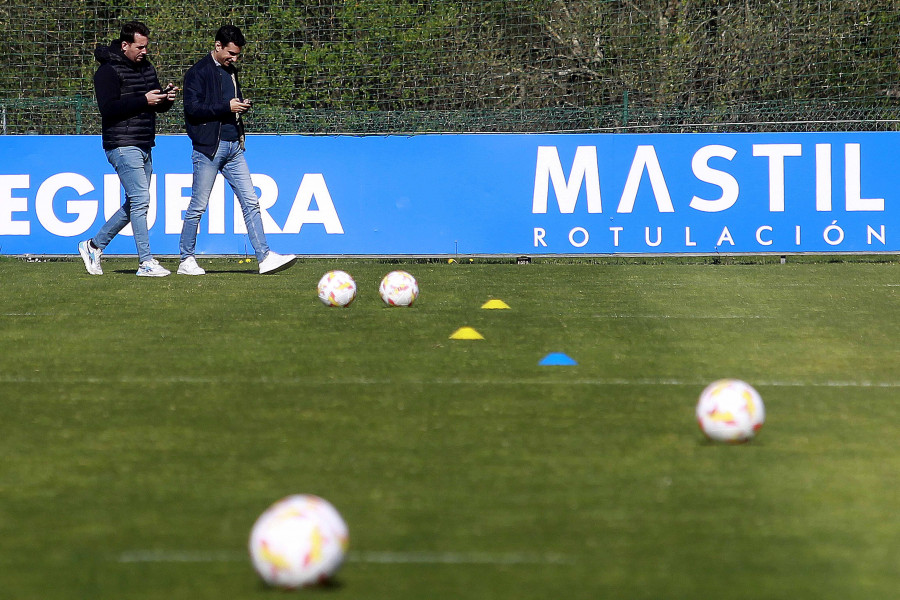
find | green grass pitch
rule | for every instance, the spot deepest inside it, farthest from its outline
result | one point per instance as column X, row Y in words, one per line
column 145, row 424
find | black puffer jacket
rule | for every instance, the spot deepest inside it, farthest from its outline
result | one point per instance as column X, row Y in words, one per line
column 121, row 85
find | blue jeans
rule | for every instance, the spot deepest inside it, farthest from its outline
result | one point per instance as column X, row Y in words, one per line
column 134, row 167
column 229, row 160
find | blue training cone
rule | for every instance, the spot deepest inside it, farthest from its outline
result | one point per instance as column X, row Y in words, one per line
column 557, row 358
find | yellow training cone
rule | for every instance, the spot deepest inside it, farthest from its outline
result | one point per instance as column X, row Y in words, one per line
column 495, row 303
column 466, row 333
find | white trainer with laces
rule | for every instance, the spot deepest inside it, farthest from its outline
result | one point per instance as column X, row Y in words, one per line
column 189, row 266
column 273, row 263
column 152, row 268
column 91, row 257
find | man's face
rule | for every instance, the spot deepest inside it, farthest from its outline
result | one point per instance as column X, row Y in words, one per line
column 226, row 55
column 137, row 50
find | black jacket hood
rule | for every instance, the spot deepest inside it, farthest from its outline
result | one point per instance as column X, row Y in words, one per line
column 113, row 51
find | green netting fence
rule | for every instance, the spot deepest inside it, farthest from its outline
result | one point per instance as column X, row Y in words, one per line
column 395, row 66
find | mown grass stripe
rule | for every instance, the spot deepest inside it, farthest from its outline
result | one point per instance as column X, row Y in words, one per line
column 369, row 557
column 313, row 382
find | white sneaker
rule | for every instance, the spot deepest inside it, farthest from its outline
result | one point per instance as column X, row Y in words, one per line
column 189, row 266
column 273, row 263
column 91, row 257
column 152, row 268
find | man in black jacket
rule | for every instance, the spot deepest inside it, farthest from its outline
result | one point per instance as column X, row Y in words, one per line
column 213, row 105
column 128, row 95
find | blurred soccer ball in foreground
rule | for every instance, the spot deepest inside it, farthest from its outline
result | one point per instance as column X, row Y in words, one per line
column 399, row 288
column 730, row 410
column 337, row 288
column 298, row 541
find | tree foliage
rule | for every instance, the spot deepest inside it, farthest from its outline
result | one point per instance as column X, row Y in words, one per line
column 657, row 62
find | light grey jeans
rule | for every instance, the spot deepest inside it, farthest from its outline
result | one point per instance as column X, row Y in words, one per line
column 134, row 167
column 229, row 160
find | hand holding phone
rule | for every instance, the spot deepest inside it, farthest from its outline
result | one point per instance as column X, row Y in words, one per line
column 155, row 97
column 240, row 105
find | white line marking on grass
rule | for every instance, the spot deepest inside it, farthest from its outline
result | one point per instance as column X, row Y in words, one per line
column 316, row 382
column 703, row 383
column 181, row 556
column 694, row 317
column 457, row 558
column 370, row 557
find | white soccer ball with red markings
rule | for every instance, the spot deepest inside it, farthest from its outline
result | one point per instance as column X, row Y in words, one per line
column 399, row 288
column 337, row 288
column 730, row 410
column 299, row 541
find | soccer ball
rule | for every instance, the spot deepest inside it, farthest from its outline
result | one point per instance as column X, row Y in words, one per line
column 399, row 288
column 337, row 288
column 730, row 410
column 299, row 541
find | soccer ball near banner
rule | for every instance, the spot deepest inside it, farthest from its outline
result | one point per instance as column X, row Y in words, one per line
column 730, row 410
column 399, row 288
column 337, row 288
column 299, row 541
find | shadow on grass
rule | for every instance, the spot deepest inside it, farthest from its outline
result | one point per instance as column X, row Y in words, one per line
column 208, row 272
column 331, row 585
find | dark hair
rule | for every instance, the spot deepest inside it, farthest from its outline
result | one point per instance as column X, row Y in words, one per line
column 228, row 34
column 131, row 28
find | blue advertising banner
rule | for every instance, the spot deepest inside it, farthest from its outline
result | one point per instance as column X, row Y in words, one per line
column 482, row 194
